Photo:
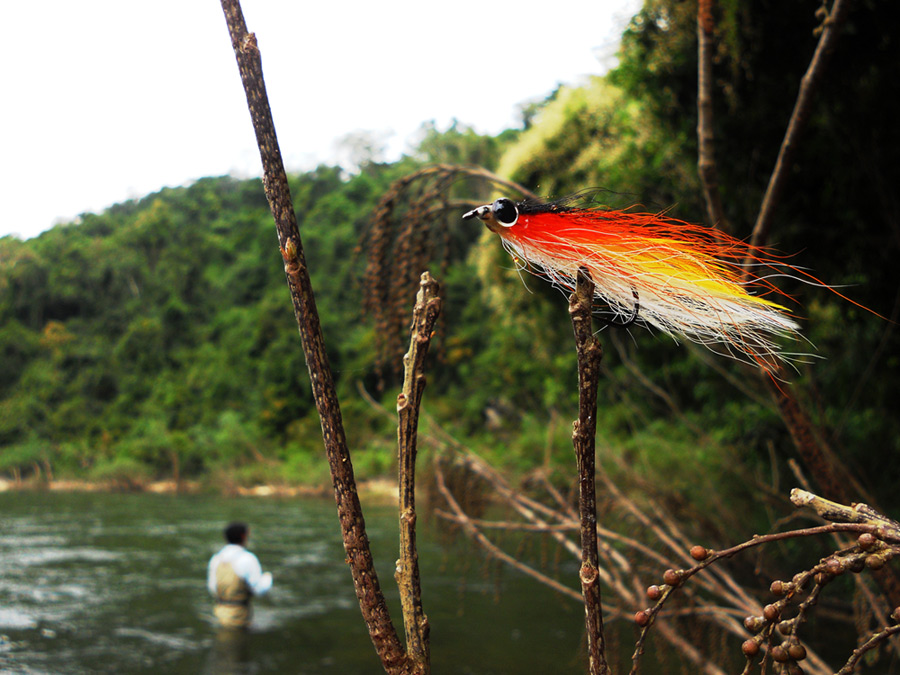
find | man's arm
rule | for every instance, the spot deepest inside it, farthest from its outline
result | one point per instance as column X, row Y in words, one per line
column 211, row 574
column 259, row 582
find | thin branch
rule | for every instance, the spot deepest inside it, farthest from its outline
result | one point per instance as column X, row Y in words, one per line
column 877, row 604
column 869, row 645
column 356, row 542
column 654, row 388
column 721, row 585
column 584, row 440
column 886, row 528
column 629, row 597
column 425, row 313
column 824, row 464
column 527, row 508
column 468, row 171
column 706, row 162
column 509, row 525
column 474, row 533
column 555, row 525
column 799, row 119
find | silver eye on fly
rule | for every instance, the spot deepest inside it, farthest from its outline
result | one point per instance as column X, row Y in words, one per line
column 505, row 212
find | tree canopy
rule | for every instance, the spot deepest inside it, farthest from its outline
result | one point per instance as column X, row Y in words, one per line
column 157, row 338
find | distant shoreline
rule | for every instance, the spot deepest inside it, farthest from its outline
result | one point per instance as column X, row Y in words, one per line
column 379, row 487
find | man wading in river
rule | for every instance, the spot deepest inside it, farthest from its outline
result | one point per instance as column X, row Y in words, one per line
column 234, row 577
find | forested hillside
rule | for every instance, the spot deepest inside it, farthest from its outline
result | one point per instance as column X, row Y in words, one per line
column 156, row 339
column 157, row 336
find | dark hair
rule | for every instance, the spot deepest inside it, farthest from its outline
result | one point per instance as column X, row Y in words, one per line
column 235, row 533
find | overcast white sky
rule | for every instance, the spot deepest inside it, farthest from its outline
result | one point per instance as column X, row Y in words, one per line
column 106, row 100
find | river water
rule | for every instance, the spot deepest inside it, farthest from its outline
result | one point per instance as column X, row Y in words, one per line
column 115, row 583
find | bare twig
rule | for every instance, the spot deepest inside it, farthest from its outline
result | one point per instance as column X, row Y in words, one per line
column 677, row 578
column 829, row 472
column 877, row 544
column 887, row 528
column 706, row 163
column 474, row 533
column 830, row 29
column 877, row 604
column 356, row 542
column 654, row 388
column 824, row 465
column 561, row 502
column 614, row 567
column 818, row 457
column 510, row 525
column 584, row 438
column 870, row 644
column 425, row 313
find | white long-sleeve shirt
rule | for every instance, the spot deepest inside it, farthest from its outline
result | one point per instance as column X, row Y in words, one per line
column 245, row 565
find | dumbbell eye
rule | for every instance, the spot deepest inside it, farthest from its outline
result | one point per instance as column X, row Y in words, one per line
column 505, row 212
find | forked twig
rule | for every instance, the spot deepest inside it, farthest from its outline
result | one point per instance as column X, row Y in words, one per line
column 425, row 313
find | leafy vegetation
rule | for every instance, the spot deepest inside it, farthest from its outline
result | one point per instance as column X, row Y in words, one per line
column 156, row 339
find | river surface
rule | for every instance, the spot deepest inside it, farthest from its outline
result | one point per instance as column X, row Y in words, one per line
column 115, row 583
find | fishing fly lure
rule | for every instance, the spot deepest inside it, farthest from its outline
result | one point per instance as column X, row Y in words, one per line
column 685, row 280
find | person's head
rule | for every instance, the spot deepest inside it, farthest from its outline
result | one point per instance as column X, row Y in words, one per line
column 236, row 533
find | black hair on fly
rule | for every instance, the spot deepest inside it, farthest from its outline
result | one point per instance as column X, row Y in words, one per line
column 589, row 198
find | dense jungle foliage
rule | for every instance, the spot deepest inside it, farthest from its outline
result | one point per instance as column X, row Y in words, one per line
column 156, row 339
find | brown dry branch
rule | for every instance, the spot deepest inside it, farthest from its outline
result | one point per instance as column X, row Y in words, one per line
column 720, row 584
column 659, row 392
column 356, row 543
column 425, row 313
column 531, row 510
column 829, row 473
column 459, row 516
column 561, row 502
column 824, row 465
column 830, row 29
column 726, row 589
column 583, row 438
column 885, row 528
column 877, row 543
column 706, row 164
column 616, row 570
column 510, row 525
column 872, row 643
